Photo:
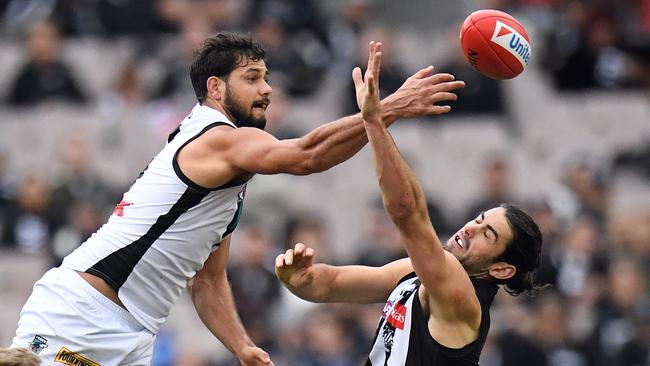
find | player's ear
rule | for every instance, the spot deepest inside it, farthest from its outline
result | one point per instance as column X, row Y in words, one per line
column 216, row 87
column 502, row 270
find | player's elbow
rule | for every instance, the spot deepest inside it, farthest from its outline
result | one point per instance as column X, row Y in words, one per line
column 401, row 209
column 200, row 285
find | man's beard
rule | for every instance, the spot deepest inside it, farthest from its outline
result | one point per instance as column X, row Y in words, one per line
column 475, row 267
column 243, row 118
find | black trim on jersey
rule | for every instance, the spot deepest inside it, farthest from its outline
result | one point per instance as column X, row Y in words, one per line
column 234, row 182
column 173, row 134
column 177, row 168
column 407, row 277
column 235, row 220
column 116, row 267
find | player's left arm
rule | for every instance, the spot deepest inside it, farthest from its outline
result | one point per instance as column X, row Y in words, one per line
column 212, row 297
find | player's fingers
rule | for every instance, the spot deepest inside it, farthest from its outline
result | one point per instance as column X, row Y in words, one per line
column 356, row 77
column 265, row 358
column 450, row 85
column 422, row 73
column 309, row 257
column 370, row 81
column 376, row 57
column 444, row 96
column 440, row 78
column 371, row 52
column 298, row 249
column 309, row 252
column 376, row 64
column 279, row 261
column 288, row 257
column 439, row 109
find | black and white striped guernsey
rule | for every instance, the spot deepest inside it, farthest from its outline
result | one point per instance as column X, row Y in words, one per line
column 403, row 337
column 163, row 230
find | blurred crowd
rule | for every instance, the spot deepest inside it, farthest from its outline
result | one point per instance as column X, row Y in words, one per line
column 596, row 311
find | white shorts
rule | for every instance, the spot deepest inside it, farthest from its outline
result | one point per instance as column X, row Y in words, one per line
column 66, row 320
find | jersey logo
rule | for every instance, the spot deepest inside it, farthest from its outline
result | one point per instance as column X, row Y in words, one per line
column 397, row 316
column 67, row 357
column 38, row 344
column 394, row 314
column 119, row 208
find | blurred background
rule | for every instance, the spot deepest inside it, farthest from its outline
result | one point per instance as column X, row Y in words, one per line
column 89, row 90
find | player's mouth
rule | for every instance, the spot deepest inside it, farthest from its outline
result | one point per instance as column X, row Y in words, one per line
column 461, row 241
column 262, row 104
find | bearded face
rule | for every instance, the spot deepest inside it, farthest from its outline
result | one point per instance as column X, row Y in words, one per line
column 246, row 113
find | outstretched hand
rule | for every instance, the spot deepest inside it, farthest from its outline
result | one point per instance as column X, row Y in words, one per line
column 367, row 87
column 294, row 267
column 420, row 93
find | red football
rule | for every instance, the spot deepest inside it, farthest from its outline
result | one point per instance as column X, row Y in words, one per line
column 495, row 43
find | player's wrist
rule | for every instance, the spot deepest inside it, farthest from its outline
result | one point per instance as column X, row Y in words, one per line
column 242, row 352
column 389, row 111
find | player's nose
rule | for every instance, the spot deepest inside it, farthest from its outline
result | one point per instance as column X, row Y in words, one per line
column 266, row 89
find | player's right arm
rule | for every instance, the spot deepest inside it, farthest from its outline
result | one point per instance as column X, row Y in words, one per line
column 326, row 283
column 222, row 153
column 448, row 287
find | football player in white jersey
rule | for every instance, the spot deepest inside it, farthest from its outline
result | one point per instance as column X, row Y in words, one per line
column 171, row 230
column 438, row 299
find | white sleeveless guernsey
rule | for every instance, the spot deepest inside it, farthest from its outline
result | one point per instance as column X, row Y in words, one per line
column 164, row 229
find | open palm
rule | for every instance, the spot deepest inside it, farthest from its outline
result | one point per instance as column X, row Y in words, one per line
column 367, row 87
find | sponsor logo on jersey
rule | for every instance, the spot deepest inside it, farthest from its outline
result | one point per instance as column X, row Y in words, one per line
column 513, row 42
column 395, row 314
column 119, row 208
column 67, row 357
column 38, row 344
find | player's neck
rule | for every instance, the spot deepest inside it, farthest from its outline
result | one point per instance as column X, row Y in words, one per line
column 211, row 103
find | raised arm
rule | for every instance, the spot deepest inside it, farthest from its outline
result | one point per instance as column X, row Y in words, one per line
column 213, row 301
column 255, row 151
column 442, row 275
column 325, row 283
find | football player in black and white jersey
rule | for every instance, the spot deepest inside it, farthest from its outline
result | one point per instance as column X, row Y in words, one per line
column 171, row 230
column 438, row 299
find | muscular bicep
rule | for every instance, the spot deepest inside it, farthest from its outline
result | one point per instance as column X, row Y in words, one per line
column 366, row 285
column 255, row 151
column 223, row 154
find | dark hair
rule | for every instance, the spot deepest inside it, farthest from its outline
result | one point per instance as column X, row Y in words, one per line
column 219, row 55
column 523, row 252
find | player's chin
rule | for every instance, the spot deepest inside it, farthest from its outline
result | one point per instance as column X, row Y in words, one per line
column 258, row 113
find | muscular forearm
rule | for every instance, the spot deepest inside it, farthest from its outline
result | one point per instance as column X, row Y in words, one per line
column 214, row 304
column 337, row 141
column 401, row 192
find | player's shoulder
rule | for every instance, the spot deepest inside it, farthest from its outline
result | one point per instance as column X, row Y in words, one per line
column 225, row 136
